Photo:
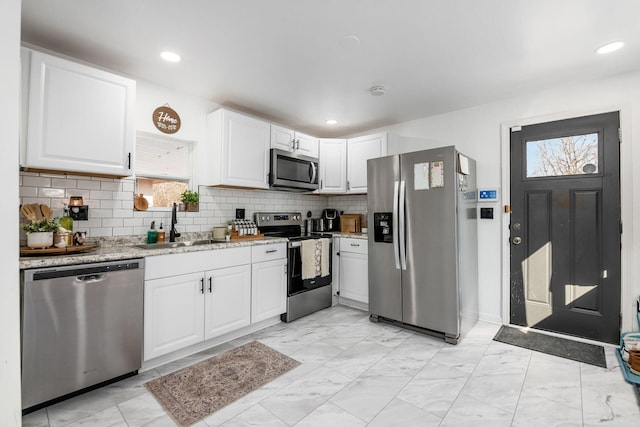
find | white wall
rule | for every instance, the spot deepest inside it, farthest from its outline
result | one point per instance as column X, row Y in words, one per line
column 10, row 413
column 478, row 132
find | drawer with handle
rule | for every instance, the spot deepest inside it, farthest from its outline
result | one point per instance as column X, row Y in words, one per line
column 261, row 253
column 348, row 244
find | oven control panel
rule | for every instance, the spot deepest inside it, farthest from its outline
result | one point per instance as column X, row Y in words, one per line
column 270, row 219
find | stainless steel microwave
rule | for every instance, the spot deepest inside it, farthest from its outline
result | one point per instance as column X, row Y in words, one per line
column 291, row 171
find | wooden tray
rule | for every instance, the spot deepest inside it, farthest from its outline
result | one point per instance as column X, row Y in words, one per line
column 24, row 250
column 235, row 236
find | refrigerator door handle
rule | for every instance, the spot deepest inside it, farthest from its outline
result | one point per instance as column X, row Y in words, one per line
column 403, row 243
column 394, row 224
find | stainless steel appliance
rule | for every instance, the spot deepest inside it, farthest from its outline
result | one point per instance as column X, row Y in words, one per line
column 423, row 243
column 331, row 218
column 304, row 295
column 290, row 171
column 81, row 326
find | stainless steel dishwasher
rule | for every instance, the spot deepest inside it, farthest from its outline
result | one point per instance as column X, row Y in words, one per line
column 81, row 326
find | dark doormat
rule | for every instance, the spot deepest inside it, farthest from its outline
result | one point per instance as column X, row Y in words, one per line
column 561, row 347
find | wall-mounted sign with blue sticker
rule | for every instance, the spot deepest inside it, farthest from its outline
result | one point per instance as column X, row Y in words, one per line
column 488, row 195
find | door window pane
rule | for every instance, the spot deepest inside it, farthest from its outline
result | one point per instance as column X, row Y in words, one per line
column 570, row 155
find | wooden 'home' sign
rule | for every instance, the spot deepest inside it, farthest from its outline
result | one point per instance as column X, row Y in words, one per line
column 166, row 119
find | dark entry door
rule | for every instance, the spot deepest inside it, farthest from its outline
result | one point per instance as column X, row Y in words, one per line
column 565, row 227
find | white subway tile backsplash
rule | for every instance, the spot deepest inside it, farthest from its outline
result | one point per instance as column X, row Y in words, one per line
column 101, row 195
column 28, row 191
column 100, row 232
column 88, row 185
column 36, row 181
column 110, row 186
column 111, row 213
column 64, row 183
column 113, row 222
column 51, row 192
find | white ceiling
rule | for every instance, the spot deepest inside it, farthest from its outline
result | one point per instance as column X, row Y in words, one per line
column 293, row 61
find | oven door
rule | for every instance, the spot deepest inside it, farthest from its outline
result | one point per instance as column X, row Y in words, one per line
column 293, row 171
column 295, row 283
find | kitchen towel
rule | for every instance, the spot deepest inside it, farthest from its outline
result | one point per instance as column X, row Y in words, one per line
column 325, row 245
column 308, row 256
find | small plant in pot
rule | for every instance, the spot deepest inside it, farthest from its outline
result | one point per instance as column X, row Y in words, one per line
column 190, row 200
column 40, row 232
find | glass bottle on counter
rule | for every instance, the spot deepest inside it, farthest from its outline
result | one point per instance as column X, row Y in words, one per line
column 66, row 221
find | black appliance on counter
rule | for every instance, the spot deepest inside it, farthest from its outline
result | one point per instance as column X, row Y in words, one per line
column 331, row 219
column 304, row 296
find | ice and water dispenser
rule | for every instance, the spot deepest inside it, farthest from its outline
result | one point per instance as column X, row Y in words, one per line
column 382, row 227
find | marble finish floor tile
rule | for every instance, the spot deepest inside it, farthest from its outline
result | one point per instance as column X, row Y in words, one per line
column 355, row 372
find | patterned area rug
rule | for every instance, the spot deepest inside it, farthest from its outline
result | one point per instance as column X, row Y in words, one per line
column 193, row 393
column 556, row 346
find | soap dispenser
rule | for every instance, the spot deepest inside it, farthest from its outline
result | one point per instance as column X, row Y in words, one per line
column 161, row 234
column 152, row 234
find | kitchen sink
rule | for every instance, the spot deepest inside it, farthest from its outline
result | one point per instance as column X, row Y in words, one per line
column 169, row 245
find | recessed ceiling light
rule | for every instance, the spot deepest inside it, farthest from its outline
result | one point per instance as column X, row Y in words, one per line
column 611, row 47
column 170, row 56
column 331, row 122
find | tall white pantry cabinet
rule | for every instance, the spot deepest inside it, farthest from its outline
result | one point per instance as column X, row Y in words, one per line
column 79, row 119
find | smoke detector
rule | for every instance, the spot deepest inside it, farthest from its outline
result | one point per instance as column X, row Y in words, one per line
column 376, row 90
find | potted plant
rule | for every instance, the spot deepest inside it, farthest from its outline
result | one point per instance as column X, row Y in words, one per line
column 190, row 200
column 40, row 232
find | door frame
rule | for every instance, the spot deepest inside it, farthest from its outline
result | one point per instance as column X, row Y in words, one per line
column 627, row 301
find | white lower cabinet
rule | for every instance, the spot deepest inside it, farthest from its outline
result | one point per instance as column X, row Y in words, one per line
column 353, row 271
column 268, row 289
column 268, row 281
column 195, row 296
column 173, row 314
column 227, row 300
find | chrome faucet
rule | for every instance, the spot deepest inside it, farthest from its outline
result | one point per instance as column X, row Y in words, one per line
column 173, row 233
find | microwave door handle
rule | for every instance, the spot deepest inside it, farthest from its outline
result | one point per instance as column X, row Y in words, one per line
column 314, row 172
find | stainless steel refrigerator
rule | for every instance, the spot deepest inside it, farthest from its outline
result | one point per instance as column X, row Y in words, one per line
column 423, row 264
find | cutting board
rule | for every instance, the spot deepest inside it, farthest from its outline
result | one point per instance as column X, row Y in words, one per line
column 350, row 223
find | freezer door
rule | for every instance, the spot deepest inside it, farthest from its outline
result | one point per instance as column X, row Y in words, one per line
column 385, row 288
column 429, row 286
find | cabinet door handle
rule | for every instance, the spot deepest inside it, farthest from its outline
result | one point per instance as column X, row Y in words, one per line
column 348, row 185
column 210, row 284
column 129, row 160
column 202, row 285
column 271, row 251
column 355, row 244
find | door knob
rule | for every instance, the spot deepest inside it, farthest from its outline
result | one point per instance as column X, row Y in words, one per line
column 516, row 240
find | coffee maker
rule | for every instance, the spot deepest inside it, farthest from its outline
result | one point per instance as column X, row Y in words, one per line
column 331, row 219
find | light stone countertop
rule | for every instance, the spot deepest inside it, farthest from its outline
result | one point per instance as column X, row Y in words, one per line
column 362, row 236
column 115, row 253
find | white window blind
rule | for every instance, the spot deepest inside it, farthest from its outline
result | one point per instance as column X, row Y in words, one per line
column 162, row 157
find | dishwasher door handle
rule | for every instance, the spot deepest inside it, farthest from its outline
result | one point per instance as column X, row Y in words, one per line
column 92, row 278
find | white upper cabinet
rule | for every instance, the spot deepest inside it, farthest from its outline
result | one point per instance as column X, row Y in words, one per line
column 238, row 150
column 292, row 141
column 79, row 119
column 333, row 166
column 359, row 150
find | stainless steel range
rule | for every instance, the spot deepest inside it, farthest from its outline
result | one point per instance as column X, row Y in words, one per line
column 306, row 293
